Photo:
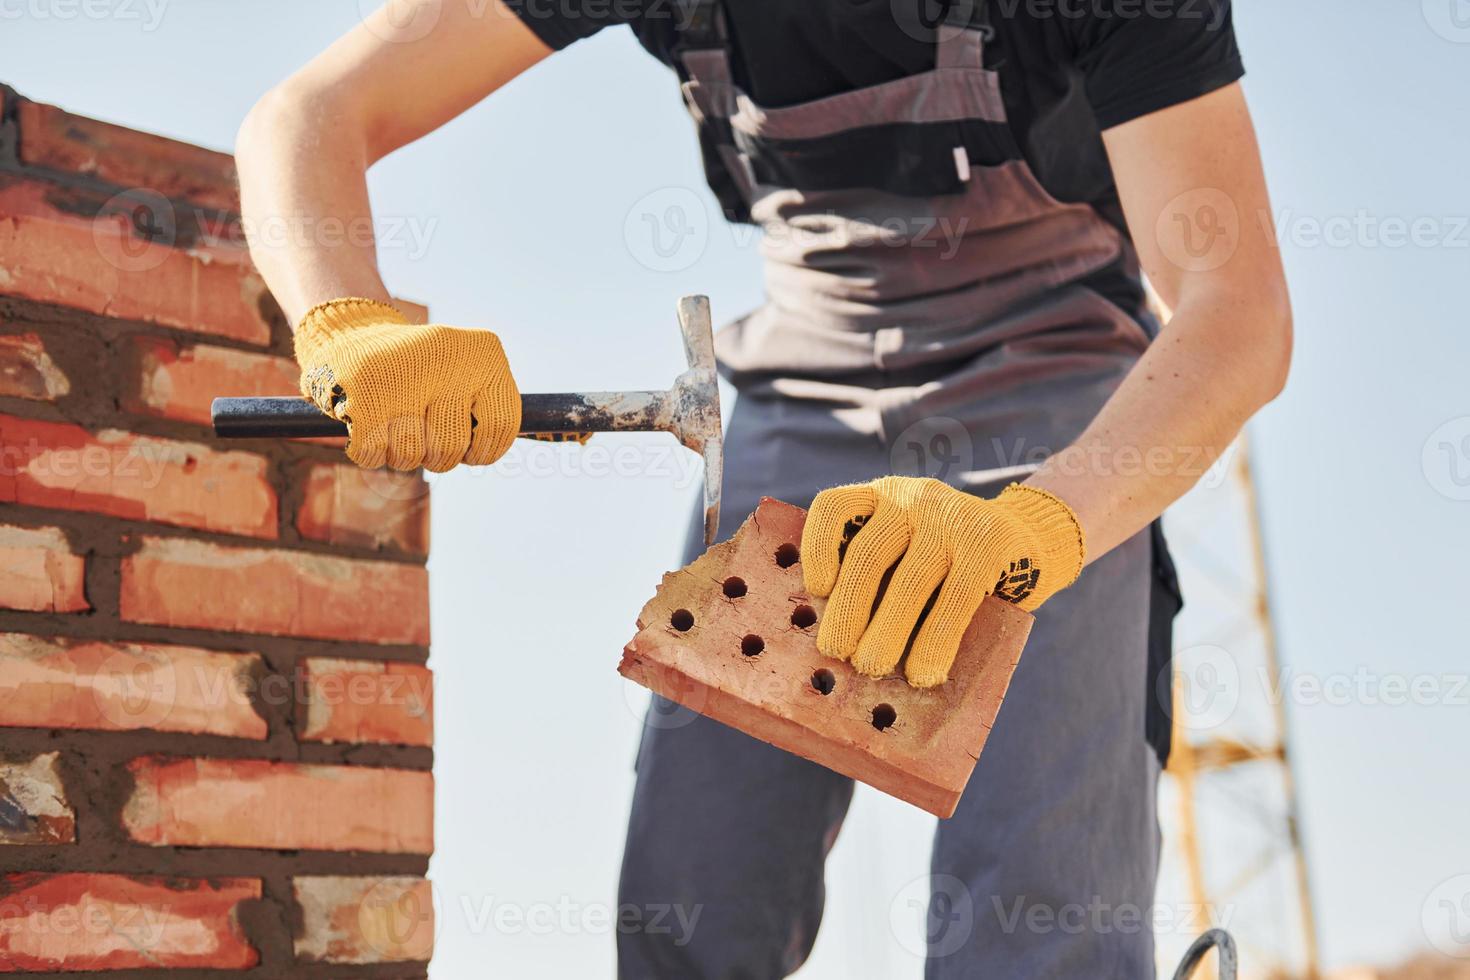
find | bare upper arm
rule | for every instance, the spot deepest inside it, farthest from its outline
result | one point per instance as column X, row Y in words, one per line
column 1194, row 195
column 413, row 65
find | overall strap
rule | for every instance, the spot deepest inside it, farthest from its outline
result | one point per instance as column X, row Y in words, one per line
column 703, row 51
column 963, row 34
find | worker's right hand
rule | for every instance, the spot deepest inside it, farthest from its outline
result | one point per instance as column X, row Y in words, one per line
column 412, row 395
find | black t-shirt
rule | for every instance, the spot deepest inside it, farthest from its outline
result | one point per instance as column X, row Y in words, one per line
column 1068, row 68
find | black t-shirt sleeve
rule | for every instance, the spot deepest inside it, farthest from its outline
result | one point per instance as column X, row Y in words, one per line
column 560, row 22
column 1140, row 56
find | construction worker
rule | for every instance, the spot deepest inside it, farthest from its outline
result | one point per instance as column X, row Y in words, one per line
column 958, row 202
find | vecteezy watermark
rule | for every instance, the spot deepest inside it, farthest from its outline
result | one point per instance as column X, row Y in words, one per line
column 667, row 230
column 1445, row 917
column 137, row 926
column 136, row 230
column 399, row 917
column 601, row 458
column 1098, row 916
column 816, row 231
column 928, row 20
column 1203, row 687
column 1450, row 19
column 935, row 916
column 944, row 448
column 1209, row 466
column 137, row 687
column 1208, row 686
column 147, row 14
column 1363, row 686
column 936, row 446
column 113, row 458
column 1365, row 229
column 932, row 916
column 1199, row 231
column 566, row 916
column 410, row 234
column 1446, row 459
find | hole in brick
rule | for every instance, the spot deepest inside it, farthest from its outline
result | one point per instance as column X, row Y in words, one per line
column 803, row 617
column 823, row 681
column 682, row 620
column 752, row 645
column 734, row 587
column 884, row 716
column 190, row 464
column 788, row 555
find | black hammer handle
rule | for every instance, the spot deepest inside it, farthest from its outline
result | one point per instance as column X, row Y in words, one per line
column 296, row 418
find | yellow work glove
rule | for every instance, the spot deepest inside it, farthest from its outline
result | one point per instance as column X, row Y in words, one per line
column 1023, row 546
column 411, row 395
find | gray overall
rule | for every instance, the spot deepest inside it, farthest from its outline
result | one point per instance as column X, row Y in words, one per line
column 936, row 330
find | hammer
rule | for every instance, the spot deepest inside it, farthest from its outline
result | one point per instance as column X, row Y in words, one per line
column 690, row 409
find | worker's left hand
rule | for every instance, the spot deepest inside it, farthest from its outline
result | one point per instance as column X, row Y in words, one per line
column 1023, row 546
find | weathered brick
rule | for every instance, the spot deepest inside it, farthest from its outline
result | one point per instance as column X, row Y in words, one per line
column 84, row 922
column 57, row 139
column 33, row 804
column 364, row 508
column 54, row 464
column 733, row 637
column 367, row 701
column 178, row 381
column 177, row 582
column 27, row 370
column 54, row 254
column 280, row 805
column 57, row 682
column 39, row 572
column 364, row 920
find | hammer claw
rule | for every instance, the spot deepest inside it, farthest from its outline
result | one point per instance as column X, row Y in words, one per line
column 714, row 473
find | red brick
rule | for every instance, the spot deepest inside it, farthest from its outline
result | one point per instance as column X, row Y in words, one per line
column 176, row 582
column 367, row 701
column 281, row 805
column 56, row 682
column 83, row 922
column 57, row 139
column 54, row 255
column 27, row 371
column 691, row 649
column 33, row 804
column 173, row 381
column 39, row 572
column 53, row 464
column 365, row 508
column 364, row 920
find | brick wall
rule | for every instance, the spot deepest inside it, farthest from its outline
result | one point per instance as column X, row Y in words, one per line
column 215, row 719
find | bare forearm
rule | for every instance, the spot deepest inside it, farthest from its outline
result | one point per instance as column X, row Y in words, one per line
column 304, row 203
column 1176, row 413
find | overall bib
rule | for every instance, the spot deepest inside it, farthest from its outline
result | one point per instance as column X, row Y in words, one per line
column 927, row 313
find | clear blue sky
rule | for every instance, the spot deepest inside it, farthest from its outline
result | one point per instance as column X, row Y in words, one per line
column 521, row 206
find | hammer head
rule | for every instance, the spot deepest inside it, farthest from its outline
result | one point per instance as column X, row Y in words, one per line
column 695, row 404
